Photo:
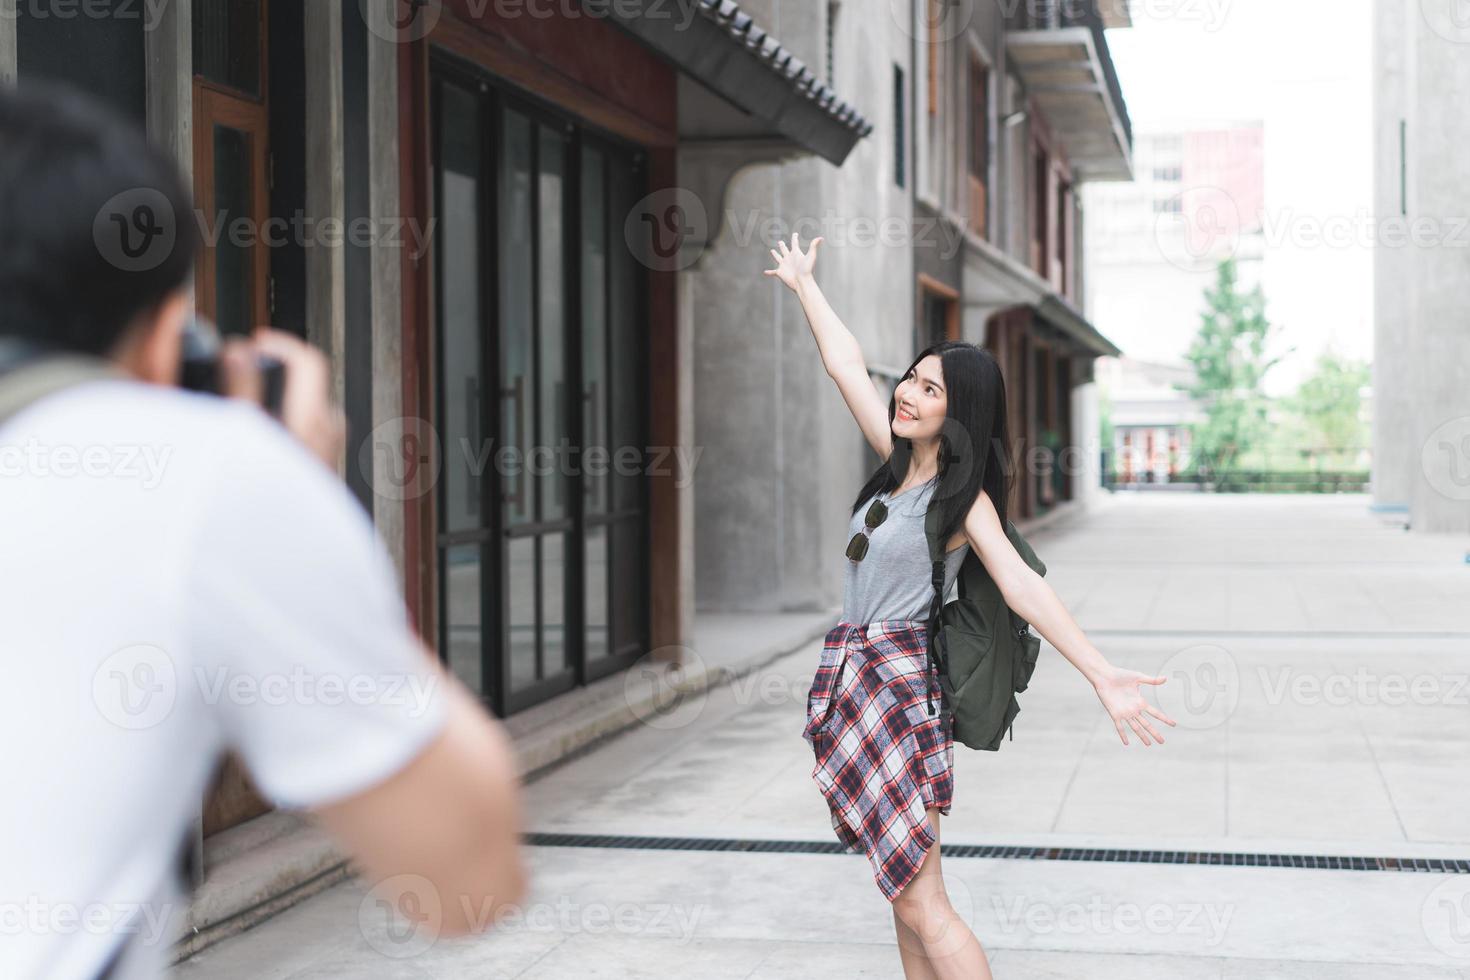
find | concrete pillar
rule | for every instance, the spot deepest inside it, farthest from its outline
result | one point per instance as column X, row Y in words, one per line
column 1085, row 463
column 686, row 311
column 1439, row 63
column 1395, row 452
column 7, row 42
column 325, row 278
column 387, row 284
column 168, row 52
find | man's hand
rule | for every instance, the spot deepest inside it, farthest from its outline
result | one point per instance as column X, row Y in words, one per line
column 306, row 407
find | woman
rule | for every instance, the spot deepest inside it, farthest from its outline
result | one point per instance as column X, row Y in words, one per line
column 884, row 759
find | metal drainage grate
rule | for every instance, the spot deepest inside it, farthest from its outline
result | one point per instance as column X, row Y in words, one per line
column 1331, row 862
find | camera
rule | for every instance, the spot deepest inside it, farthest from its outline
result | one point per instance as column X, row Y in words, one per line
column 200, row 368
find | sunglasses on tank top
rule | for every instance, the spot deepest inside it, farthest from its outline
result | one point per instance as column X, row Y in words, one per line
column 857, row 548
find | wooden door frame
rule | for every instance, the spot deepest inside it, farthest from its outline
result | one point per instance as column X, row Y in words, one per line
column 216, row 106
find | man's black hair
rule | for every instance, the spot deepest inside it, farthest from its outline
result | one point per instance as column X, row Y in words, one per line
column 96, row 224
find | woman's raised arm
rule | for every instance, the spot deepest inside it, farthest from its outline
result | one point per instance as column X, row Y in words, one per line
column 841, row 355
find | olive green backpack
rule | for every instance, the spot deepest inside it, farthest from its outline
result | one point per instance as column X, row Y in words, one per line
column 984, row 652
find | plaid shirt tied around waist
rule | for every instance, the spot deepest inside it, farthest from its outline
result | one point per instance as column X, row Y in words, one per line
column 882, row 759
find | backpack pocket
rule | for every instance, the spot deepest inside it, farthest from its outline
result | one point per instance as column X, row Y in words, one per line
column 967, row 638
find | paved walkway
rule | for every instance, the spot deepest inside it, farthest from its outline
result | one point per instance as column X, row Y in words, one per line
column 1317, row 658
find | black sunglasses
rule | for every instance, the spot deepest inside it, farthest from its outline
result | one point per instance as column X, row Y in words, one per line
column 857, row 548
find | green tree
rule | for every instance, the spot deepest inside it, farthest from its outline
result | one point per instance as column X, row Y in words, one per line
column 1229, row 359
column 1327, row 409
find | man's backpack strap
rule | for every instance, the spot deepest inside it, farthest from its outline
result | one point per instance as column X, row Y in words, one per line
column 29, row 373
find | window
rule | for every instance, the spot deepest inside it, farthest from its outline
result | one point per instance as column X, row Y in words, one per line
column 898, row 127
column 1063, row 244
column 231, row 153
column 102, row 55
column 979, row 163
column 1041, row 210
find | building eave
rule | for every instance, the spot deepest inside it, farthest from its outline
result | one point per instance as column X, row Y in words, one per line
column 1054, row 309
column 722, row 48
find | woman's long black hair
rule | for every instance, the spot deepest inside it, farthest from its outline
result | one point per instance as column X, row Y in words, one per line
column 974, row 442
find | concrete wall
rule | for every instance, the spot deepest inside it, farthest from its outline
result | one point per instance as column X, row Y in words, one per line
column 1422, row 389
column 387, row 288
column 1394, row 457
column 7, row 42
column 782, row 457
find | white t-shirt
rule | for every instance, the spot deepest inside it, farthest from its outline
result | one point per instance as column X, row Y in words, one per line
column 178, row 576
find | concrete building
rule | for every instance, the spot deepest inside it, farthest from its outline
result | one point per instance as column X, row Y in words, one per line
column 1421, row 263
column 1024, row 110
column 1151, row 418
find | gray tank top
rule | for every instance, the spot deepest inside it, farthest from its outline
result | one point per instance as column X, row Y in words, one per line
column 894, row 580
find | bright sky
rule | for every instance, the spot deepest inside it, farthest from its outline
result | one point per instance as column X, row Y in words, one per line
column 1304, row 68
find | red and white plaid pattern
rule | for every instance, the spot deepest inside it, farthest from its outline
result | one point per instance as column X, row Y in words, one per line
column 881, row 760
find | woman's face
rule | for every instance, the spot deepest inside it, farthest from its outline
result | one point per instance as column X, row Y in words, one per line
column 920, row 401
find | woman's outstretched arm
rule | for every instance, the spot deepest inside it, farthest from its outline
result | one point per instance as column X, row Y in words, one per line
column 1034, row 600
column 841, row 355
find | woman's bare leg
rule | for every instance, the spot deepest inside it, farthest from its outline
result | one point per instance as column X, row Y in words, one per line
column 911, row 952
column 951, row 951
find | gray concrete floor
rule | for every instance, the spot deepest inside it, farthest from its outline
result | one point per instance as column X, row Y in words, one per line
column 1317, row 658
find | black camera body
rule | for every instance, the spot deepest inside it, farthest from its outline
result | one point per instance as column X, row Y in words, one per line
column 199, row 368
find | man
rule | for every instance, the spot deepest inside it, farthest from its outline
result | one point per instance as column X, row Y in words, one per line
column 180, row 575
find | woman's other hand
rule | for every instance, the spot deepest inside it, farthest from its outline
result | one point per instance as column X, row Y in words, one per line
column 1118, row 691
column 792, row 264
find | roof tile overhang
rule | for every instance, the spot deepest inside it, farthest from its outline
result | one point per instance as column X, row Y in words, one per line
column 723, row 48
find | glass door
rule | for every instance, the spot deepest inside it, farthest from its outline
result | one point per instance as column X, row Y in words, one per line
column 542, row 542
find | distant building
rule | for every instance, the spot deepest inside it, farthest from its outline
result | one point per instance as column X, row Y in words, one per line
column 1152, row 246
column 1150, row 418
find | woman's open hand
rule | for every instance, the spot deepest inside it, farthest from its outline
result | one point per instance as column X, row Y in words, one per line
column 1117, row 689
column 792, row 264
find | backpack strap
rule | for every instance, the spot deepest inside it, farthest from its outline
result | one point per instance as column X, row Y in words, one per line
column 29, row 372
column 937, row 664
